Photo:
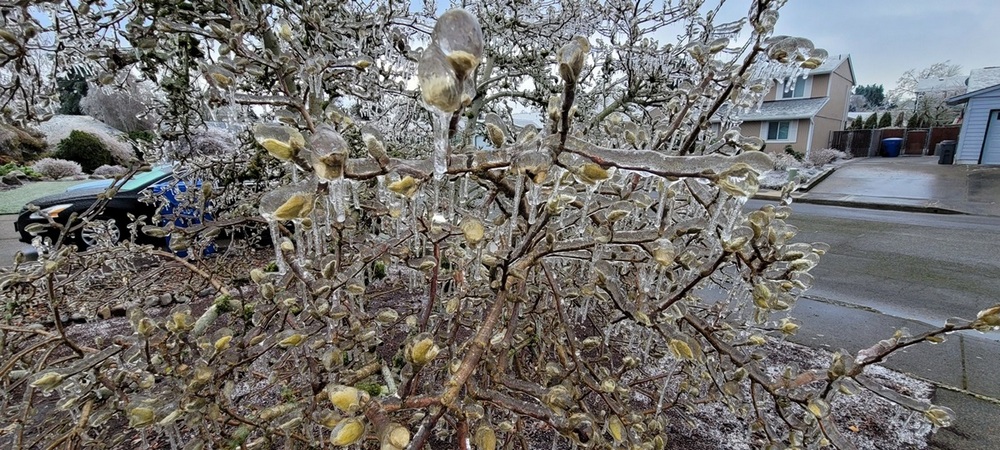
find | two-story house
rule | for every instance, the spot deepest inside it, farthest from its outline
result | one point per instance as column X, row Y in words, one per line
column 803, row 112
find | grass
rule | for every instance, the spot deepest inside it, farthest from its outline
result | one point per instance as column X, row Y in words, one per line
column 12, row 200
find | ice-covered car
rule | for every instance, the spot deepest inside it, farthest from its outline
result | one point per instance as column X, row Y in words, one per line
column 112, row 222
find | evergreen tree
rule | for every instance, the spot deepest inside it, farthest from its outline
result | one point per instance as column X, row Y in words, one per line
column 885, row 121
column 900, row 119
column 874, row 94
column 856, row 124
column 72, row 89
column 871, row 122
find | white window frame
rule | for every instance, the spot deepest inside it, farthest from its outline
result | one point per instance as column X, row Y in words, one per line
column 793, row 131
column 806, row 89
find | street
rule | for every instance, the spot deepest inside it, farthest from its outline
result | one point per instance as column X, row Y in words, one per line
column 9, row 243
column 923, row 267
column 887, row 270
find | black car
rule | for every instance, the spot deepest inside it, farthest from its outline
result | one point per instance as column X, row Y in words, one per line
column 113, row 219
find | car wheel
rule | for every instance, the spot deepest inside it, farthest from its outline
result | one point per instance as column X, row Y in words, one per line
column 101, row 230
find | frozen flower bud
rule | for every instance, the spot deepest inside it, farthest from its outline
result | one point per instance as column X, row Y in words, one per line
column 762, row 296
column 257, row 275
column 990, row 316
column 329, row 153
column 559, row 397
column 346, row 398
column 495, row 130
column 788, row 327
column 140, row 417
column 423, row 350
column 347, row 432
column 220, row 76
column 48, row 381
column 222, row 343
column 387, row 316
column 811, row 63
column 375, row 144
column 571, row 58
column 145, row 326
column 405, row 187
column 535, row 164
column 940, row 416
column 280, row 141
column 718, row 45
column 394, row 437
column 472, row 230
column 616, row 428
column 440, row 87
column 206, row 319
column 591, row 343
column 591, row 173
column 740, row 180
column 277, row 411
column 680, row 349
column 293, row 340
column 528, row 132
column 179, row 321
column 459, row 36
column 485, row 438
column 554, row 109
column 664, row 253
column 296, row 207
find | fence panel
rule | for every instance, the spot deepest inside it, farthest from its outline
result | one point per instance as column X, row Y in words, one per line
column 918, row 141
column 939, row 134
column 915, row 141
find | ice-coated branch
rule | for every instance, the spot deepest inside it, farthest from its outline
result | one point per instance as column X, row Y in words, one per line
column 654, row 163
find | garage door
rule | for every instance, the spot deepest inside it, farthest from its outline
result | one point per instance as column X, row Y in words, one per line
column 991, row 148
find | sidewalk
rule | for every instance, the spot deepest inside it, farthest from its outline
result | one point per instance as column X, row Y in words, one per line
column 907, row 183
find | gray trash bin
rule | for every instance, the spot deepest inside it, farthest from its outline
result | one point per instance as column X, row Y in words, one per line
column 946, row 152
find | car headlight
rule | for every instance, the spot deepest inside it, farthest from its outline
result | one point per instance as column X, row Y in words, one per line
column 51, row 211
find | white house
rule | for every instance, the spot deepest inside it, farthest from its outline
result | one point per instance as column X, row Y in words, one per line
column 979, row 139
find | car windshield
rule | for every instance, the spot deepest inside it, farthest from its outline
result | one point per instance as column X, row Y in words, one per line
column 144, row 178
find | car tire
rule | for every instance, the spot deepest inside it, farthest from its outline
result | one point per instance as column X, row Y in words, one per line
column 91, row 233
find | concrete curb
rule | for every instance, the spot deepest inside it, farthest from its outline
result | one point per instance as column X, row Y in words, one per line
column 928, row 209
column 817, row 179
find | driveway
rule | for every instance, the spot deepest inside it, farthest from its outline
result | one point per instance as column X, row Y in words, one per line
column 912, row 183
column 9, row 245
column 11, row 202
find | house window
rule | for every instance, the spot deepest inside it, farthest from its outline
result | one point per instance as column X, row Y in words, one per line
column 779, row 131
column 797, row 90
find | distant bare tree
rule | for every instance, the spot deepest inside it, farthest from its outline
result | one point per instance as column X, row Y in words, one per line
column 907, row 83
column 127, row 107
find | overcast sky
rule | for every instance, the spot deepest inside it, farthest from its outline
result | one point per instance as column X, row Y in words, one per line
column 887, row 37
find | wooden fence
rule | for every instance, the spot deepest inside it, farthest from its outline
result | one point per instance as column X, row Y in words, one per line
column 916, row 141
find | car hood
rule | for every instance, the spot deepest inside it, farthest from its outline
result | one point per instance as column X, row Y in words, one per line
column 90, row 185
column 68, row 197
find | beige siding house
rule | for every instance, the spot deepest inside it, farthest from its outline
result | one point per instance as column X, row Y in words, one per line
column 803, row 112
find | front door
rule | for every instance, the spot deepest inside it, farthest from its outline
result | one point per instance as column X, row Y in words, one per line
column 991, row 145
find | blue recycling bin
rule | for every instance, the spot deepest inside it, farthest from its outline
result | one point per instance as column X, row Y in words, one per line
column 891, row 147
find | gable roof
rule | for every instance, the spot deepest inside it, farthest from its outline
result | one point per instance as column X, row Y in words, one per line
column 965, row 97
column 941, row 84
column 832, row 63
column 803, row 108
column 983, row 78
